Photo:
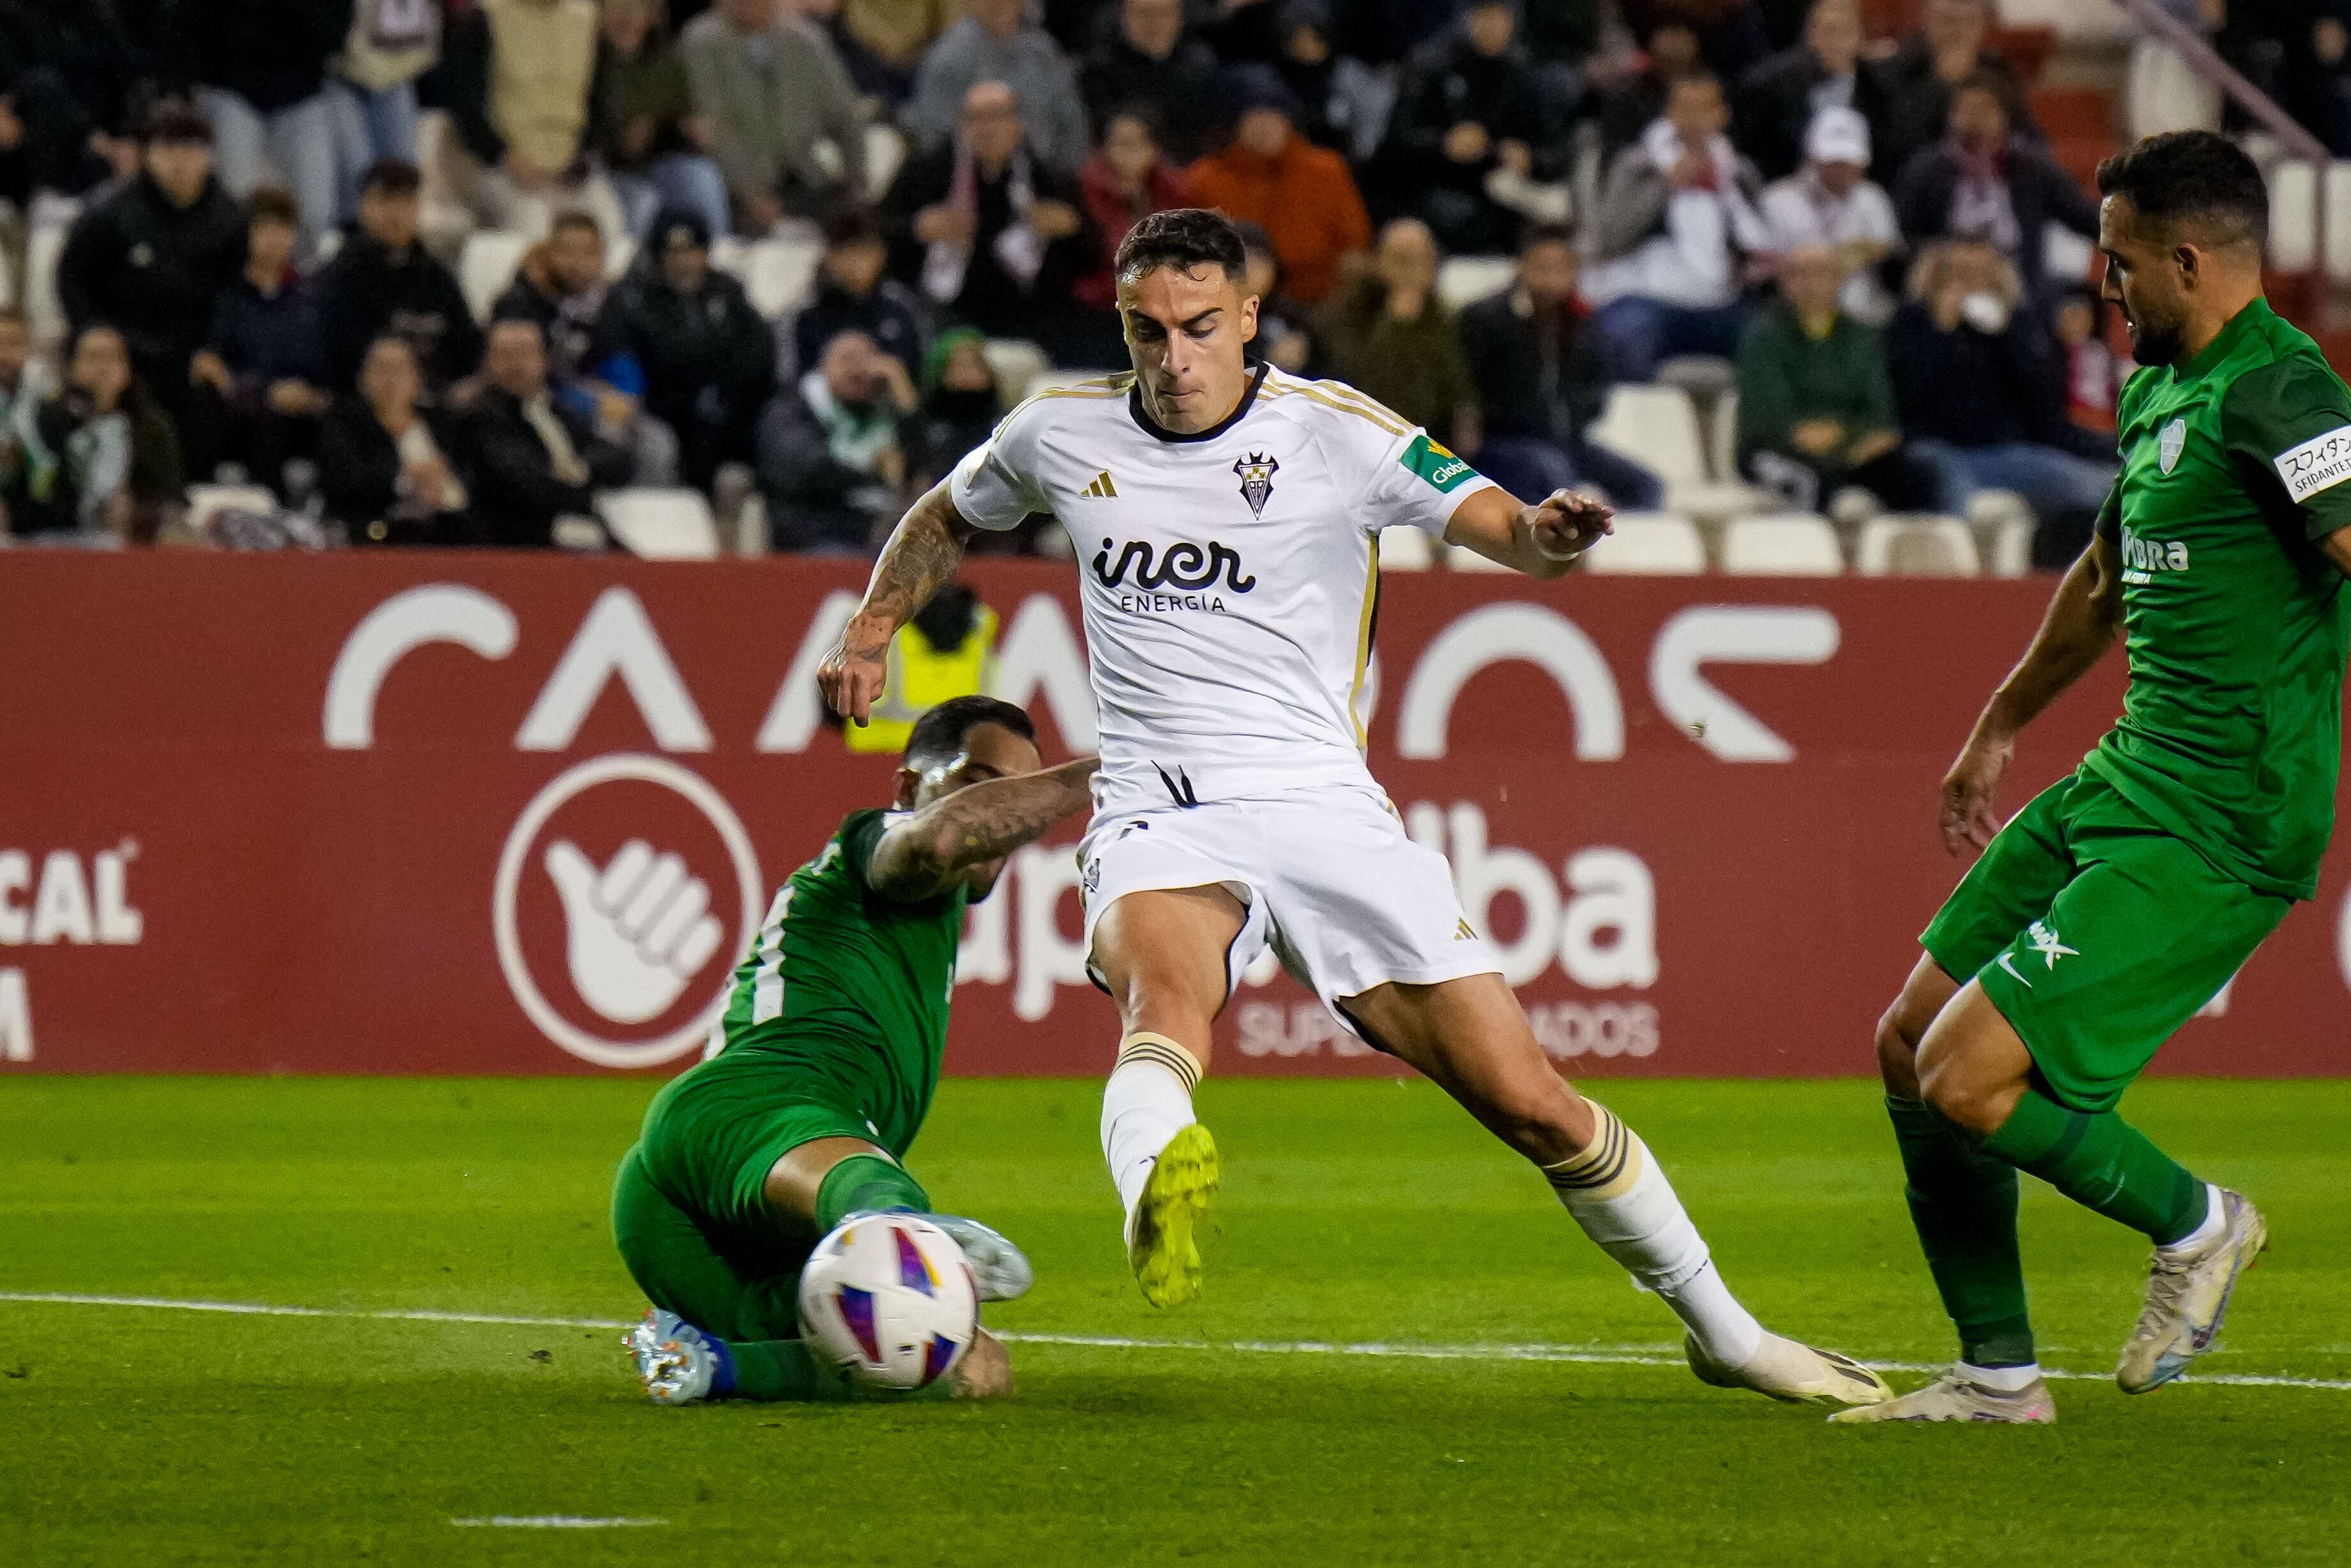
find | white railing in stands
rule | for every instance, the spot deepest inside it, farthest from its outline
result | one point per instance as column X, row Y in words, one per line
column 2257, row 105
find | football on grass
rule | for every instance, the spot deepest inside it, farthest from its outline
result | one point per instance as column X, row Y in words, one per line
column 889, row 1299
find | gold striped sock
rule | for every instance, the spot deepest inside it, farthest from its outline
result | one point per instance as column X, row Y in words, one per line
column 1609, row 1165
column 1161, row 1051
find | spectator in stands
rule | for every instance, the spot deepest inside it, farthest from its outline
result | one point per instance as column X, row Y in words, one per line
column 989, row 231
column 641, row 124
column 1343, row 104
column 1983, row 181
column 1916, row 82
column 73, row 80
column 1391, row 338
column 99, row 458
column 1123, row 183
column 1676, row 219
column 1541, row 379
column 390, row 43
column 1779, row 99
column 872, row 79
column 1147, row 62
column 993, row 44
column 2093, row 374
column 24, row 382
column 1732, row 38
column 895, row 33
column 517, row 74
column 1631, row 104
column 1815, row 404
column 1479, row 138
column 1833, row 201
column 560, row 287
column 771, row 89
column 2312, row 69
column 264, row 360
column 1981, row 393
column 385, row 470
column 1285, row 329
column 384, row 280
column 1301, row 193
column 150, row 259
column 710, row 359
column 961, row 403
column 855, row 292
column 534, row 460
column 260, row 67
column 830, row 465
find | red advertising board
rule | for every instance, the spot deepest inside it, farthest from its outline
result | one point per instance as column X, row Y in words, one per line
column 347, row 814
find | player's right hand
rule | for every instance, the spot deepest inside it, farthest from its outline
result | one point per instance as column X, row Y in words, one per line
column 851, row 676
column 1968, row 791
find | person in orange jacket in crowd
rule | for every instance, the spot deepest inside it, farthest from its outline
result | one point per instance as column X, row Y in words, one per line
column 1301, row 193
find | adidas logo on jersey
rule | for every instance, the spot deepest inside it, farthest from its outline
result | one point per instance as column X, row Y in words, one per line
column 1101, row 488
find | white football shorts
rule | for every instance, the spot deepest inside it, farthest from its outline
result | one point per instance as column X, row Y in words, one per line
column 1330, row 878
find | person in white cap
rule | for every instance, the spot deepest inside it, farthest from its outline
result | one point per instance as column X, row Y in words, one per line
column 1831, row 202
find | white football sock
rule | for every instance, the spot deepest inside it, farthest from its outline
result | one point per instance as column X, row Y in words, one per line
column 1617, row 1193
column 2007, row 1379
column 1146, row 1102
column 2215, row 1216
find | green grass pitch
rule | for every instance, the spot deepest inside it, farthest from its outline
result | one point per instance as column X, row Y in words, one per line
column 1358, row 1213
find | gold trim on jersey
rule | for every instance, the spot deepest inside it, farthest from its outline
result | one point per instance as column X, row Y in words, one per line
column 1313, row 391
column 1363, row 645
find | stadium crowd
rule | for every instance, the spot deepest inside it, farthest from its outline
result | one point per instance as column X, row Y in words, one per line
column 251, row 288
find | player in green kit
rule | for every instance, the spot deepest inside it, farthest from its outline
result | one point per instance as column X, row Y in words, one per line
column 2125, row 897
column 832, row 1037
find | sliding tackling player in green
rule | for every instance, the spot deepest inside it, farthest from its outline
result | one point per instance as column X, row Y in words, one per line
column 832, row 1038
column 2122, row 899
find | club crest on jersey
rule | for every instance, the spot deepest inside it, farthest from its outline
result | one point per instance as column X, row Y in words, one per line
column 1257, row 471
column 2171, row 445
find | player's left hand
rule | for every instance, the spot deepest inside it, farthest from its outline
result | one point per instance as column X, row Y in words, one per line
column 1566, row 524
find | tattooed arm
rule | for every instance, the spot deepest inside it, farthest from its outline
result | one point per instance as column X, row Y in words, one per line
column 919, row 561
column 970, row 831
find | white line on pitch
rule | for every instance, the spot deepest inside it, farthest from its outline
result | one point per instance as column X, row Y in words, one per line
column 1580, row 1354
column 551, row 1522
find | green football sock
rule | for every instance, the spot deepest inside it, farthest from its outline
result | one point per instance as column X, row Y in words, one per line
column 2102, row 1163
column 864, row 1182
column 774, row 1370
column 1963, row 1205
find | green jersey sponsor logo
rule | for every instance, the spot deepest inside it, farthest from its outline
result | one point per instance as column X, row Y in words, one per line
column 1433, row 463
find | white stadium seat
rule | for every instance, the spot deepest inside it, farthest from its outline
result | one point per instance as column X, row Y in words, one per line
column 44, row 317
column 1649, row 543
column 661, row 525
column 751, row 526
column 1017, row 365
column 1466, row 279
column 1782, row 544
column 204, row 500
column 2293, row 216
column 1404, row 548
column 1656, row 426
column 486, row 265
column 2339, row 221
column 1916, row 546
column 886, row 153
column 778, row 273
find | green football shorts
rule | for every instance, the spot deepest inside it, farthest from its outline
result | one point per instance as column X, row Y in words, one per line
column 714, row 1133
column 2097, row 935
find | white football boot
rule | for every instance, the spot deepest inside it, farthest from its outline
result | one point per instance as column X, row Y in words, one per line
column 674, row 1359
column 2187, row 1297
column 1792, row 1373
column 1955, row 1397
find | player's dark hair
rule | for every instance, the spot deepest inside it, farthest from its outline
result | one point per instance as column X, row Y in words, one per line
column 176, row 123
column 1184, row 238
column 575, row 219
column 938, row 734
column 2194, row 176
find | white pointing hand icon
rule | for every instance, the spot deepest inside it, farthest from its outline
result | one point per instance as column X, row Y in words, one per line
column 638, row 930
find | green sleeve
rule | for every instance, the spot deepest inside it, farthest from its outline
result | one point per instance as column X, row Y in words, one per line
column 1766, row 410
column 2288, row 428
column 859, row 835
column 2110, row 514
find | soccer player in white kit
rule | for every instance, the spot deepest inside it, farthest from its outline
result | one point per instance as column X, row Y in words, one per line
column 1227, row 516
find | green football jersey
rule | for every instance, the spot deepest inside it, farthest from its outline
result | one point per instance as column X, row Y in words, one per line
column 849, row 988
column 2236, row 624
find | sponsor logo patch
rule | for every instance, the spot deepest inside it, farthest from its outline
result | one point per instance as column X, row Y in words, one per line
column 2319, row 464
column 1433, row 463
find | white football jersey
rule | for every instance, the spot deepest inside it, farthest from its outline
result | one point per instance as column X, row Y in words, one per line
column 1229, row 578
